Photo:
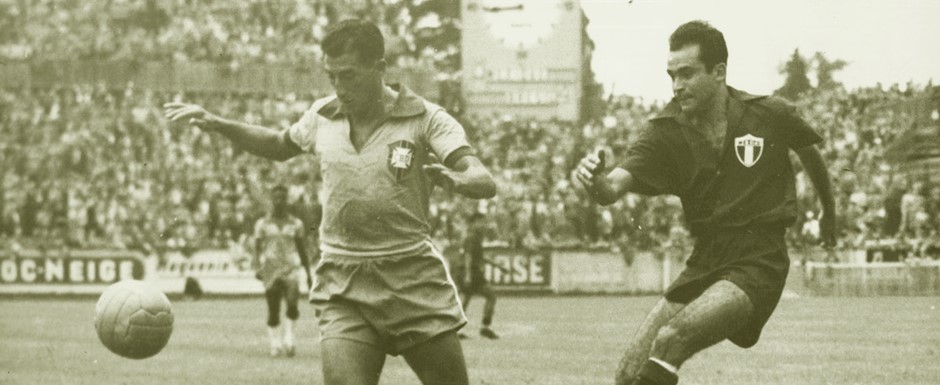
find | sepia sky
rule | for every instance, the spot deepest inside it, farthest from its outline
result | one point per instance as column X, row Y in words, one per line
column 883, row 41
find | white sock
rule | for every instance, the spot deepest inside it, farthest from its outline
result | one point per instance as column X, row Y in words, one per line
column 672, row 369
column 289, row 332
column 273, row 336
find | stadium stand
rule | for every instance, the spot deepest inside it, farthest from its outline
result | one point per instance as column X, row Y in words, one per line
column 91, row 165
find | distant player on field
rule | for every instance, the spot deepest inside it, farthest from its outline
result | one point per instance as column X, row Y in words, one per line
column 474, row 280
column 725, row 154
column 381, row 287
column 279, row 253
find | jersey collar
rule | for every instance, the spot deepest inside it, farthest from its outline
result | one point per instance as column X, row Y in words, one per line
column 673, row 110
column 408, row 104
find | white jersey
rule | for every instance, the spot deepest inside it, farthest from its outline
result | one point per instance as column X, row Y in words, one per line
column 278, row 255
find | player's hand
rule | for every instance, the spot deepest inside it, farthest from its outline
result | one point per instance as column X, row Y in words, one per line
column 827, row 229
column 440, row 174
column 591, row 167
column 191, row 113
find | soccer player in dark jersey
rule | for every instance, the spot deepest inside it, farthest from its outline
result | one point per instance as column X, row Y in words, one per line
column 280, row 251
column 381, row 287
column 474, row 281
column 725, row 154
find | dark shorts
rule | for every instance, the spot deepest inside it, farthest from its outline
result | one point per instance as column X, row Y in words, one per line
column 391, row 303
column 755, row 260
column 476, row 284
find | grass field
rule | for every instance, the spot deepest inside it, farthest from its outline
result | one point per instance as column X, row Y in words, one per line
column 549, row 340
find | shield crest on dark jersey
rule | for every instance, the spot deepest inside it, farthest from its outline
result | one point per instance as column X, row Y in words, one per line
column 748, row 148
column 401, row 158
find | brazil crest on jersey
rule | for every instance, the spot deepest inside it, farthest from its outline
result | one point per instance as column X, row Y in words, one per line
column 401, row 156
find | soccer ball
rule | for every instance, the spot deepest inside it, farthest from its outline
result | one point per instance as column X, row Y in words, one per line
column 133, row 319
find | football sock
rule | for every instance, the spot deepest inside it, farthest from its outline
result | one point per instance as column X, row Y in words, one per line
column 289, row 332
column 273, row 336
column 653, row 373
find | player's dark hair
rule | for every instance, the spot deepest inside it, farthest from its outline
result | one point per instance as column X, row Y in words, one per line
column 357, row 36
column 279, row 188
column 711, row 42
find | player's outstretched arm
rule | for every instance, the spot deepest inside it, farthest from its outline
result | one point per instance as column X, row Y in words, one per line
column 603, row 187
column 468, row 177
column 257, row 140
column 818, row 174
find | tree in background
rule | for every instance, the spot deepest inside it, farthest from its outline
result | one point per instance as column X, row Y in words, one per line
column 797, row 81
column 797, row 70
column 824, row 70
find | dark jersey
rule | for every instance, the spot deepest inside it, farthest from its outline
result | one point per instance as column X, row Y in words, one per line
column 749, row 182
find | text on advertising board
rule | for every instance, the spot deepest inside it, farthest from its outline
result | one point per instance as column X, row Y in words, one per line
column 529, row 270
column 70, row 270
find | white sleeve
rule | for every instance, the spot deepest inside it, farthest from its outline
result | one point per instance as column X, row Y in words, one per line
column 303, row 132
column 445, row 134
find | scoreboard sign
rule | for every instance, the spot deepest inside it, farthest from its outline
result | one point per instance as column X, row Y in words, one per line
column 523, row 57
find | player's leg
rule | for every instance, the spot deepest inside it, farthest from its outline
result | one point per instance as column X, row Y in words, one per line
column 291, row 297
column 272, row 296
column 721, row 310
column 465, row 292
column 465, row 296
column 489, row 308
column 349, row 362
column 638, row 350
column 438, row 361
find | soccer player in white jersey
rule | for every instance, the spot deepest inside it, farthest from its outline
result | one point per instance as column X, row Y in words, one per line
column 381, row 287
column 278, row 256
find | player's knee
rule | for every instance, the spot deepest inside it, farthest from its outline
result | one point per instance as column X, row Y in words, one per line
column 293, row 312
column 273, row 320
column 670, row 339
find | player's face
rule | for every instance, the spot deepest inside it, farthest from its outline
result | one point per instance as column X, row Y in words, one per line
column 358, row 84
column 693, row 86
column 279, row 199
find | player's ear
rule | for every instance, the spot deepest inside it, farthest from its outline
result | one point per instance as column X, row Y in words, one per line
column 721, row 71
column 381, row 65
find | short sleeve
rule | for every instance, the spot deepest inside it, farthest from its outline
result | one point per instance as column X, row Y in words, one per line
column 446, row 136
column 795, row 131
column 649, row 163
column 303, row 132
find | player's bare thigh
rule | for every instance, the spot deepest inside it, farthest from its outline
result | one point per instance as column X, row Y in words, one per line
column 721, row 310
column 438, row 361
column 348, row 362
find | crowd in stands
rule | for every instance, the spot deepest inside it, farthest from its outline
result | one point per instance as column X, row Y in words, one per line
column 231, row 32
column 90, row 166
column 96, row 166
column 876, row 202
